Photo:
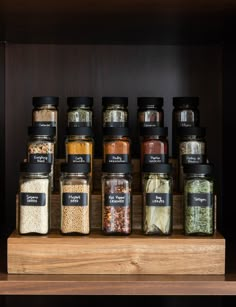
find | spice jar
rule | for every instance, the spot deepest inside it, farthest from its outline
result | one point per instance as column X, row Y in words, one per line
column 198, row 199
column 79, row 113
column 116, row 145
column 157, row 199
column 79, row 145
column 192, row 148
column 116, row 199
column 185, row 114
column 154, row 145
column 40, row 147
column 150, row 112
column 75, row 192
column 34, row 198
column 115, row 111
column 45, row 114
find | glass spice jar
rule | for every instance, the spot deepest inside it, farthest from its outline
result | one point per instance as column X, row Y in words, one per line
column 45, row 114
column 80, row 113
column 41, row 147
column 79, row 145
column 185, row 114
column 192, row 148
column 75, row 195
column 198, row 199
column 34, row 198
column 116, row 145
column 154, row 145
column 150, row 112
column 116, row 199
column 115, row 111
column 157, row 199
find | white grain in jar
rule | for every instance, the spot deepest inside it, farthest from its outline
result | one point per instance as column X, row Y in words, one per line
column 34, row 198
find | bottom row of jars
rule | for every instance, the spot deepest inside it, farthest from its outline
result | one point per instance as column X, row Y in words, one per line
column 75, row 199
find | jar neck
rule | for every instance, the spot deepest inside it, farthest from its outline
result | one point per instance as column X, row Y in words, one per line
column 191, row 175
column 115, row 106
column 42, row 137
column 46, row 106
column 35, row 175
column 83, row 107
column 79, row 137
column 192, row 138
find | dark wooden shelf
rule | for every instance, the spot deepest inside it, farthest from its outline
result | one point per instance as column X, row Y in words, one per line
column 117, row 285
column 119, row 21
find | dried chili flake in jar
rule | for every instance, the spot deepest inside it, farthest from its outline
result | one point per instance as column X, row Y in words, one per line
column 116, row 199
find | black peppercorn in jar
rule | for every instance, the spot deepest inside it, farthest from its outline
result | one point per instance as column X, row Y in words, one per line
column 45, row 114
column 116, row 199
column 115, row 111
column 192, row 148
column 41, row 147
column 75, row 192
column 185, row 114
column 198, row 199
column 157, row 199
column 80, row 113
column 34, row 198
column 150, row 112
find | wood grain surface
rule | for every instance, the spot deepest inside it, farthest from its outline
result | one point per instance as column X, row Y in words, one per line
column 98, row 254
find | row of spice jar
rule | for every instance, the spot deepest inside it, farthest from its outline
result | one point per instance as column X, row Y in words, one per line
column 116, row 182
column 115, row 113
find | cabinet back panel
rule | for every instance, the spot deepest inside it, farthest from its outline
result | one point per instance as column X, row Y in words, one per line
column 107, row 70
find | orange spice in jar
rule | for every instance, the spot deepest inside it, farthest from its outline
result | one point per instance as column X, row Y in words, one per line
column 79, row 145
column 116, row 145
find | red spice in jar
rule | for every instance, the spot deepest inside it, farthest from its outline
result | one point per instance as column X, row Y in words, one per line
column 154, row 145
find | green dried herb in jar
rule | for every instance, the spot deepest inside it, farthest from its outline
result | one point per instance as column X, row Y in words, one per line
column 198, row 200
column 115, row 111
column 80, row 113
column 157, row 199
column 192, row 148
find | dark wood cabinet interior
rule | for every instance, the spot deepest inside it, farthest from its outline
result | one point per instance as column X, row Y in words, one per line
column 118, row 48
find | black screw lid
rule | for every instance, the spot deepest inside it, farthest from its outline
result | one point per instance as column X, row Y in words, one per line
column 27, row 167
column 115, row 100
column 198, row 168
column 75, row 168
column 45, row 100
column 186, row 101
column 117, row 167
column 188, row 131
column 122, row 131
column 86, row 131
column 149, row 131
column 44, row 131
column 163, row 168
column 150, row 101
column 73, row 102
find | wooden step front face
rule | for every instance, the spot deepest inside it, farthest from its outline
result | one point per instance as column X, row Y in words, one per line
column 99, row 254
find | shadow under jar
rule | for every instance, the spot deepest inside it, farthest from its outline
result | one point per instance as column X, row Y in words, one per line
column 116, row 199
column 157, row 199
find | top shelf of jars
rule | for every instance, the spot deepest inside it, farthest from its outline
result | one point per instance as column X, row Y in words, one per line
column 122, row 21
